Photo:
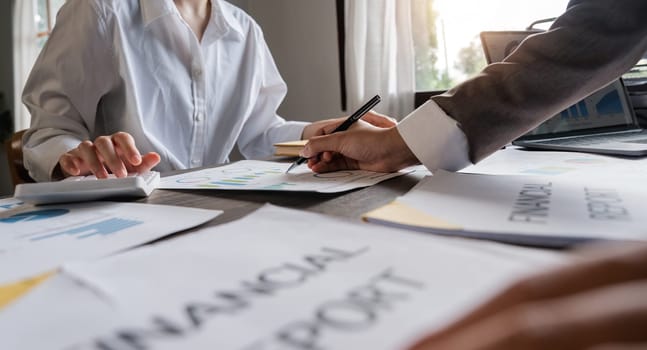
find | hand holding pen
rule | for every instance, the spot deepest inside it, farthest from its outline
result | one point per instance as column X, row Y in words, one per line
column 345, row 125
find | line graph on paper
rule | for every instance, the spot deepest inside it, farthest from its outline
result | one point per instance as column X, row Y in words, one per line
column 271, row 176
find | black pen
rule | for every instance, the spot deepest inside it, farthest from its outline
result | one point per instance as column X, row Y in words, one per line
column 345, row 125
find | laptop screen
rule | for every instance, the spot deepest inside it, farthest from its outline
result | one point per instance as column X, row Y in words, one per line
column 605, row 110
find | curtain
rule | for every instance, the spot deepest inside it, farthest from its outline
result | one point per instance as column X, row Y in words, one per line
column 25, row 53
column 380, row 55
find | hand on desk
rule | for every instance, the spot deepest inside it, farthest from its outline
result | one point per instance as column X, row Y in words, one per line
column 599, row 301
column 116, row 154
column 366, row 148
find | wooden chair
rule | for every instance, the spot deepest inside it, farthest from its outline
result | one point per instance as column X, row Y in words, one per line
column 17, row 169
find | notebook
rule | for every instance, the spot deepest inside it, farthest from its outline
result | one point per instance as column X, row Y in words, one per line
column 604, row 122
column 289, row 149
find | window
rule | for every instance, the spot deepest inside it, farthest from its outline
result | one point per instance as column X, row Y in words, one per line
column 45, row 18
column 446, row 34
column 33, row 22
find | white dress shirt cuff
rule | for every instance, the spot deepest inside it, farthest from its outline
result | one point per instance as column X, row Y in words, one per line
column 292, row 130
column 435, row 138
column 44, row 158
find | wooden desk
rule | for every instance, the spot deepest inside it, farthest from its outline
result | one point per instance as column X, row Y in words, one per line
column 237, row 204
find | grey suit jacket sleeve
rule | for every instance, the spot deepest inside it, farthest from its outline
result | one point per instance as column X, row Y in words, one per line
column 590, row 45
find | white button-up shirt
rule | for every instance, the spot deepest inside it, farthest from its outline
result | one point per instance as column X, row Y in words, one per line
column 136, row 66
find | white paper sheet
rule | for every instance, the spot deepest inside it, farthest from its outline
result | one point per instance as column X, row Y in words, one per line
column 271, row 176
column 515, row 161
column 534, row 205
column 34, row 240
column 9, row 203
column 277, row 279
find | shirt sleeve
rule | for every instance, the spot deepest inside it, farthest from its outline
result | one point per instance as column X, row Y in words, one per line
column 435, row 138
column 264, row 126
column 72, row 73
column 589, row 46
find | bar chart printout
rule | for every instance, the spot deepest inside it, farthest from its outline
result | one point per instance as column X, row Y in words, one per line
column 271, row 176
column 34, row 240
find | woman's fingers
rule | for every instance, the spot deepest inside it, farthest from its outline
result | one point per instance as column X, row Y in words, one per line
column 105, row 149
column 70, row 164
column 115, row 154
column 88, row 154
column 125, row 146
column 148, row 162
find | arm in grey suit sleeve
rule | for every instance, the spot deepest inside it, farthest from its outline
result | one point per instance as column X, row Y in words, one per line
column 590, row 45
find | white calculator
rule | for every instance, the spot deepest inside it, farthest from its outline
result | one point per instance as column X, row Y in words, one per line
column 88, row 188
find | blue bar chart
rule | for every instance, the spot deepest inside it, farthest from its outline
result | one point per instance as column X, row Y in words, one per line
column 36, row 215
column 101, row 228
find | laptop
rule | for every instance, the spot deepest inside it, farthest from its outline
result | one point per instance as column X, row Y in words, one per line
column 603, row 123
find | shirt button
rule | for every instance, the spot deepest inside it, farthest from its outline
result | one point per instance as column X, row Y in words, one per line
column 195, row 162
column 197, row 72
column 199, row 117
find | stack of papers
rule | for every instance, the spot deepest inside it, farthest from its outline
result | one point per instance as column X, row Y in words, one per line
column 277, row 279
column 544, row 211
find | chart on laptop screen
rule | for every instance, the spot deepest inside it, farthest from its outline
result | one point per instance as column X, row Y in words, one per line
column 607, row 107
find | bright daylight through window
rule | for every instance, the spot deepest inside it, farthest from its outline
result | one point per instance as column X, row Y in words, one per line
column 45, row 18
column 446, row 34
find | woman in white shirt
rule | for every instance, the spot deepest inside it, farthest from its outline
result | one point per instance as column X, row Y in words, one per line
column 127, row 85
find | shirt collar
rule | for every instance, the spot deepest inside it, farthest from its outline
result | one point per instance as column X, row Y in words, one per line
column 222, row 19
column 154, row 9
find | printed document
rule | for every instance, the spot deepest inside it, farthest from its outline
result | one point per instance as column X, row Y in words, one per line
column 277, row 279
column 535, row 210
column 513, row 161
column 9, row 203
column 35, row 240
column 271, row 176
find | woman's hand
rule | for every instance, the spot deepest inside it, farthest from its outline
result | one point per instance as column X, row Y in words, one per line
column 116, row 154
